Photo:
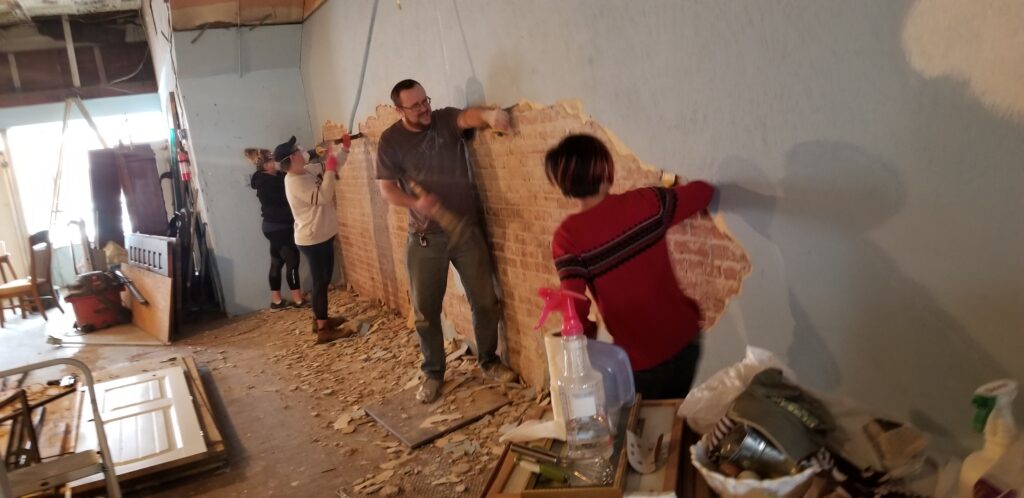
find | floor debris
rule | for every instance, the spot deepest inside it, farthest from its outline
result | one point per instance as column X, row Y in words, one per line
column 336, row 383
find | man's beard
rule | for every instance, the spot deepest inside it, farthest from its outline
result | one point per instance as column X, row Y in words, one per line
column 418, row 124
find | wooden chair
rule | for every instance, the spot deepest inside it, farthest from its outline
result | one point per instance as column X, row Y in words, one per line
column 42, row 270
column 27, row 290
column 12, row 288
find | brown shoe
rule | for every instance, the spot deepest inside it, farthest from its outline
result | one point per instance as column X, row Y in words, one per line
column 328, row 334
column 498, row 373
column 429, row 390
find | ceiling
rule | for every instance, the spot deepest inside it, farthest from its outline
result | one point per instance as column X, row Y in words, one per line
column 185, row 14
column 21, row 11
column 196, row 14
column 111, row 53
column 111, row 58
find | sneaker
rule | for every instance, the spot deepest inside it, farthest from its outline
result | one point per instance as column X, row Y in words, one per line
column 330, row 334
column 430, row 390
column 498, row 373
column 300, row 304
column 280, row 306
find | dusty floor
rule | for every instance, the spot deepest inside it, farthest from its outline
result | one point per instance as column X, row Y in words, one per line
column 277, row 397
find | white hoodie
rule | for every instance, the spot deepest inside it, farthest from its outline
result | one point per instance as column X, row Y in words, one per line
column 316, row 218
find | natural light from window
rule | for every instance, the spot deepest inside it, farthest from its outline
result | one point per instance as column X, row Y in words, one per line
column 34, row 154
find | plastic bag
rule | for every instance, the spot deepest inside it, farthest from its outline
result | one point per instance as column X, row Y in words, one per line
column 709, row 402
column 789, row 486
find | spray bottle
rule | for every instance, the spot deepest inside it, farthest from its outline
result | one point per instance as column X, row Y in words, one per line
column 994, row 415
column 581, row 395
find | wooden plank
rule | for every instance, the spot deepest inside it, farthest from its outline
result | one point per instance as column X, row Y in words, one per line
column 47, row 475
column 154, row 318
column 58, row 425
column 406, row 417
column 56, row 417
column 311, row 6
column 195, row 14
column 214, row 439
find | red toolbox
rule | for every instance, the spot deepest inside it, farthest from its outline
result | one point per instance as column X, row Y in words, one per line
column 96, row 298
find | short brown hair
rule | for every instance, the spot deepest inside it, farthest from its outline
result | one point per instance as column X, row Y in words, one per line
column 400, row 87
column 578, row 165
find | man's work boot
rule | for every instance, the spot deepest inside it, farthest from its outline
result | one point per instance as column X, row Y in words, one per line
column 498, row 372
column 430, row 390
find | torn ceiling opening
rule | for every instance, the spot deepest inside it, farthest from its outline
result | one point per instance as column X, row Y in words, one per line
column 23, row 11
column 111, row 58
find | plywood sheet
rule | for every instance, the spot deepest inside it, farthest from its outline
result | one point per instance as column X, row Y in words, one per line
column 149, row 419
column 153, row 318
column 416, row 424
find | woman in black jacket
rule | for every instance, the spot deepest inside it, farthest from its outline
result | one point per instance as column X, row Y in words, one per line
column 278, row 226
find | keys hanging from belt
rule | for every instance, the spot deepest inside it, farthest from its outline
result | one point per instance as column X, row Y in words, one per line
column 423, row 240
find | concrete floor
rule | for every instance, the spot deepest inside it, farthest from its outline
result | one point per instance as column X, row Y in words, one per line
column 280, row 440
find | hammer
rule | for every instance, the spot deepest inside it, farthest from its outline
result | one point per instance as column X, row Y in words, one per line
column 457, row 227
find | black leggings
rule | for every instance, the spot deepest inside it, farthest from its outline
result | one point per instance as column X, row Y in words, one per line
column 321, row 265
column 283, row 251
column 672, row 378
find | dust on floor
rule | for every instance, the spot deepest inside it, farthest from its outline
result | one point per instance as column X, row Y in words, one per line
column 294, row 410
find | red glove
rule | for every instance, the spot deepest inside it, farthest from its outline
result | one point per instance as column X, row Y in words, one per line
column 332, row 163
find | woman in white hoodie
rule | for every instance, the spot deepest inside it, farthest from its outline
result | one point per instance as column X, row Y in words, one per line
column 311, row 197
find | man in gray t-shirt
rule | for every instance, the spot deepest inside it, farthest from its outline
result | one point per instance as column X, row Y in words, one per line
column 428, row 148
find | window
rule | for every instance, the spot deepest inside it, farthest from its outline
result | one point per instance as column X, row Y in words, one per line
column 35, row 151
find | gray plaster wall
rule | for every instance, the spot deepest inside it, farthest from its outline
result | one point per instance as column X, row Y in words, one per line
column 879, row 207
column 231, row 103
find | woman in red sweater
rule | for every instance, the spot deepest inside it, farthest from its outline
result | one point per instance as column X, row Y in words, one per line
column 615, row 246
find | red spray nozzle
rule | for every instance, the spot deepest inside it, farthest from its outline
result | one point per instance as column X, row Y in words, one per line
column 562, row 301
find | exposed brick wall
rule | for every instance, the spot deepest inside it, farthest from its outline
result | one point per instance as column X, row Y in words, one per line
column 522, row 211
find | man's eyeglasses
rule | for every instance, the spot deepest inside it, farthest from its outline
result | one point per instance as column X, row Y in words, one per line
column 419, row 106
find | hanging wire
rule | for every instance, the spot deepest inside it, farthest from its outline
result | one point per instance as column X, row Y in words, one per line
column 145, row 58
column 362, row 73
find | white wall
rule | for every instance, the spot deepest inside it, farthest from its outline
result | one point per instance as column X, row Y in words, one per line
column 878, row 206
column 232, row 103
column 156, row 19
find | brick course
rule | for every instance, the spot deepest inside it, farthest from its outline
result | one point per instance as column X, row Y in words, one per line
column 521, row 211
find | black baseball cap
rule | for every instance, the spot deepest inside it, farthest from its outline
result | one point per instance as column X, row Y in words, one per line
column 281, row 152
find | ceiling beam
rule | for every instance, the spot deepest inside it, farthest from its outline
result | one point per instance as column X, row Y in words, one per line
column 72, row 59
column 13, row 64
